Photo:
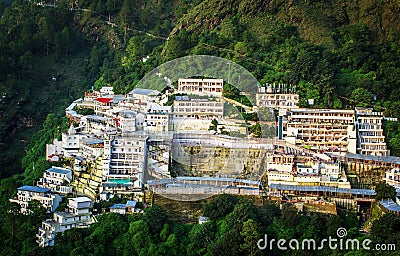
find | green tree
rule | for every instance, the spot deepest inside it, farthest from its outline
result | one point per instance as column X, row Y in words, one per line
column 155, row 218
column 13, row 210
column 220, row 206
column 361, row 97
column 214, row 125
column 165, row 232
column 386, row 229
column 36, row 210
column 256, row 130
column 384, row 191
column 201, row 236
column 250, row 237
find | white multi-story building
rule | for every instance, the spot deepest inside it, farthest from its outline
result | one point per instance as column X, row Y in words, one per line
column 71, row 141
column 318, row 174
column 328, row 130
column 157, row 122
column 126, row 121
column 77, row 215
column 91, row 148
column 279, row 99
column 158, row 118
column 54, row 150
column 145, row 95
column 201, row 86
column 196, row 114
column 392, row 178
column 25, row 194
column 287, row 101
column 371, row 140
column 184, row 107
column 57, row 179
column 106, row 90
column 124, row 159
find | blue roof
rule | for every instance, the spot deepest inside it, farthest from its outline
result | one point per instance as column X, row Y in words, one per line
column 131, row 203
column 387, row 159
column 118, row 206
column 221, row 179
column 34, row 189
column 368, row 192
column 58, row 170
column 390, row 205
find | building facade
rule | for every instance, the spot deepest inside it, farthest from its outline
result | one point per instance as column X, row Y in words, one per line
column 57, row 179
column 201, row 86
column 77, row 215
column 26, row 194
column 277, row 96
column 371, row 140
column 392, row 178
column 184, row 107
column 124, row 158
column 327, row 130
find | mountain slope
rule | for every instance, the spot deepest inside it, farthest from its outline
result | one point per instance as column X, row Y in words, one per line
column 316, row 20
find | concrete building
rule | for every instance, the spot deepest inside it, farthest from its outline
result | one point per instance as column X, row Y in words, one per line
column 371, row 140
column 71, row 141
column 201, row 86
column 328, row 130
column 271, row 97
column 106, row 90
column 91, row 148
column 157, row 122
column 145, row 95
column 304, row 179
column 57, row 179
column 129, row 207
column 124, row 158
column 185, row 107
column 196, row 114
column 25, row 194
column 126, row 121
column 392, row 178
column 158, row 118
column 54, row 150
column 77, row 215
column 308, row 172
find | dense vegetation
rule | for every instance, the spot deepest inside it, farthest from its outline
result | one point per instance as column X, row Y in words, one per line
column 339, row 53
column 342, row 60
column 234, row 228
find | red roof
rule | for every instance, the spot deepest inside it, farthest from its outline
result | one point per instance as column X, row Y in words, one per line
column 104, row 100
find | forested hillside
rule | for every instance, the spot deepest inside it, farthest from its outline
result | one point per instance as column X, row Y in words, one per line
column 235, row 226
column 340, row 53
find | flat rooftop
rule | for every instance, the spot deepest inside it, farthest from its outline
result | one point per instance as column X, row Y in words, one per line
column 118, row 206
column 390, row 205
column 35, row 189
column 367, row 192
column 81, row 199
column 142, row 91
column 58, row 170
